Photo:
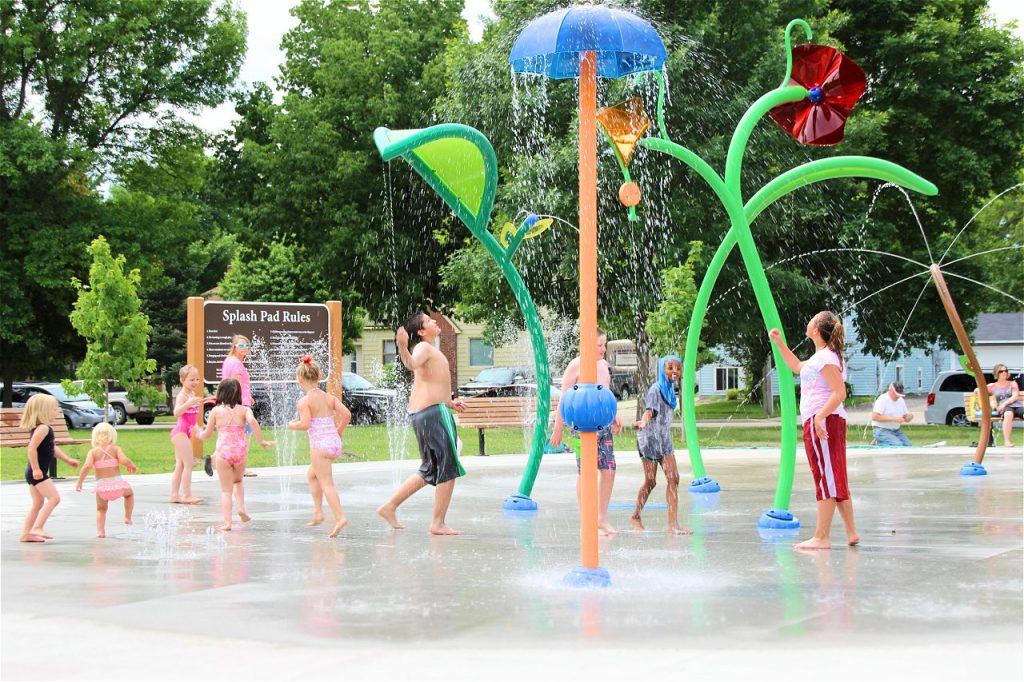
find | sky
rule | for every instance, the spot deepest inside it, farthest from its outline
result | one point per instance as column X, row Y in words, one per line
column 269, row 20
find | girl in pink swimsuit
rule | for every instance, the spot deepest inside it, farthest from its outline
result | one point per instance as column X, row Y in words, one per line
column 325, row 417
column 186, row 409
column 107, row 459
column 234, row 367
column 229, row 418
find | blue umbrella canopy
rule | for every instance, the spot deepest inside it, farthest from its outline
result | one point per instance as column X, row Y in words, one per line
column 552, row 44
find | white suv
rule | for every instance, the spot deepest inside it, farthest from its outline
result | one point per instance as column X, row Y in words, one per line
column 946, row 400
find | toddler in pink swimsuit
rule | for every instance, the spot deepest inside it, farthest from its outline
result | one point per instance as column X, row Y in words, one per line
column 229, row 418
column 107, row 459
column 325, row 417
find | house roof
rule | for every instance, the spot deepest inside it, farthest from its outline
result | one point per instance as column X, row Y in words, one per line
column 1000, row 328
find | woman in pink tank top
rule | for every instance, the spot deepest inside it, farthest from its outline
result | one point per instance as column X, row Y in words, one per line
column 234, row 368
column 822, row 392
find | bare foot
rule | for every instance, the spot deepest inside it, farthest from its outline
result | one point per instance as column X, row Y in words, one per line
column 318, row 518
column 636, row 522
column 32, row 538
column 338, row 526
column 443, row 530
column 225, row 527
column 39, row 532
column 853, row 540
column 174, row 500
column 128, row 521
column 192, row 500
column 813, row 543
column 101, row 535
column 245, row 517
column 601, row 532
column 608, row 528
column 391, row 516
column 679, row 530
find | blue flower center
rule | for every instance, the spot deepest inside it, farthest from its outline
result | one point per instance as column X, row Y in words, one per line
column 815, row 95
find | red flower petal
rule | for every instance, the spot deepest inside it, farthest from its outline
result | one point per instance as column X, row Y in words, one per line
column 842, row 84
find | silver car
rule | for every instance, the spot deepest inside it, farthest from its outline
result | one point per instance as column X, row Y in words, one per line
column 79, row 411
column 946, row 399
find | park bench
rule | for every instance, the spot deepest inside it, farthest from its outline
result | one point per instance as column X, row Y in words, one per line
column 13, row 436
column 494, row 413
column 972, row 409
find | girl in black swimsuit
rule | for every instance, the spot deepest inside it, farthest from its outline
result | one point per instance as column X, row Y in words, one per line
column 40, row 410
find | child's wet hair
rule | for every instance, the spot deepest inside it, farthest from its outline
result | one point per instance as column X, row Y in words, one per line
column 185, row 371
column 103, row 434
column 308, row 370
column 830, row 327
column 229, row 393
column 235, row 340
column 414, row 325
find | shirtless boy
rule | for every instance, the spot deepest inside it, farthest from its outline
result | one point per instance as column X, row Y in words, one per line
column 605, row 445
column 430, row 405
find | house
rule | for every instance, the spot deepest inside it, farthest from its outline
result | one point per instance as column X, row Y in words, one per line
column 867, row 374
column 999, row 337
column 461, row 342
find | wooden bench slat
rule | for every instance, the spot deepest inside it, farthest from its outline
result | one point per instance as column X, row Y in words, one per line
column 490, row 413
column 13, row 436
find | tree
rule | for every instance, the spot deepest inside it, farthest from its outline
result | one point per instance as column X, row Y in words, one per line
column 107, row 314
column 84, row 86
column 306, row 173
column 932, row 65
column 286, row 273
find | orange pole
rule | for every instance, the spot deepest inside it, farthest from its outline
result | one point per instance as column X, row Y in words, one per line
column 588, row 300
column 195, row 342
column 972, row 360
column 334, row 327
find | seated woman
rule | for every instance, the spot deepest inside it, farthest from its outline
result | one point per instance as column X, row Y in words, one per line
column 1007, row 400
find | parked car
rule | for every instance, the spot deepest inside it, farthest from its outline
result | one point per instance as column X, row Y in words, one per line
column 502, row 382
column 945, row 403
column 79, row 411
column 124, row 408
column 261, row 399
column 368, row 404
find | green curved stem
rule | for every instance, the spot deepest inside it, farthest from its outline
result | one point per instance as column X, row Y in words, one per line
column 738, row 144
column 836, row 167
column 729, row 192
column 789, row 46
column 661, row 105
column 477, row 222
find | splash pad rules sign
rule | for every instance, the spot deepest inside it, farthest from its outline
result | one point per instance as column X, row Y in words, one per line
column 281, row 331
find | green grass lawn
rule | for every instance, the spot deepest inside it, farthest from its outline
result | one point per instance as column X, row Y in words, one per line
column 151, row 449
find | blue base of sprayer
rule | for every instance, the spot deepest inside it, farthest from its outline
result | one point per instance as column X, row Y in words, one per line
column 704, row 485
column 586, row 578
column 778, row 519
column 973, row 469
column 519, row 502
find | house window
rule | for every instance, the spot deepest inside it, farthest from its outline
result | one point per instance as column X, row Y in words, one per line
column 353, row 365
column 726, row 378
column 899, row 374
column 920, row 379
column 390, row 352
column 480, row 353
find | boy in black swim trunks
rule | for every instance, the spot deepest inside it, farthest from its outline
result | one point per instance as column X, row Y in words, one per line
column 430, row 406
